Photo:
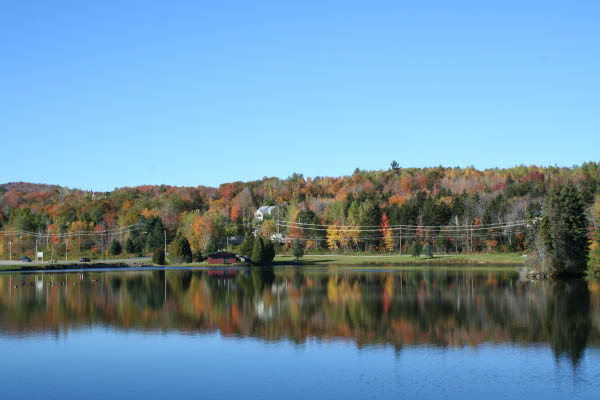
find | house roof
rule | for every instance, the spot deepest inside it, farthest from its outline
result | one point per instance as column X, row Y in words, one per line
column 221, row 254
column 266, row 209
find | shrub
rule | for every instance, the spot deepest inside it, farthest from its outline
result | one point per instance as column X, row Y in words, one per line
column 158, row 257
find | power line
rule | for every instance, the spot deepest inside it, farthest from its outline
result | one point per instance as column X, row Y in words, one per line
column 405, row 228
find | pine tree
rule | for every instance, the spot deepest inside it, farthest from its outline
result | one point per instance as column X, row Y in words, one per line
column 428, row 250
column 180, row 250
column 129, row 246
column 594, row 264
column 269, row 252
column 298, row 249
column 415, row 249
column 248, row 245
column 563, row 232
column 115, row 248
column 258, row 252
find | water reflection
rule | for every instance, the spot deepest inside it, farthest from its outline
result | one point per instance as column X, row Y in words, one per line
column 402, row 308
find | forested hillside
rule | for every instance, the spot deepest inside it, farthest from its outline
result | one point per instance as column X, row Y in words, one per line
column 386, row 210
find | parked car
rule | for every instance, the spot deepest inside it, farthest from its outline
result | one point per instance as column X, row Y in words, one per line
column 25, row 259
column 84, row 259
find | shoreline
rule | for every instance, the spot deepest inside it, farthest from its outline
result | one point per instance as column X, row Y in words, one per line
column 311, row 260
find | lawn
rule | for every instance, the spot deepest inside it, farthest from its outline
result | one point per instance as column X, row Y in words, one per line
column 451, row 259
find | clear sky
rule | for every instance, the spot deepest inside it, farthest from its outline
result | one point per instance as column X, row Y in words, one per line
column 103, row 94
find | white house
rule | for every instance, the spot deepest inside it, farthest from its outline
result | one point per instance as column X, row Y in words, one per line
column 264, row 211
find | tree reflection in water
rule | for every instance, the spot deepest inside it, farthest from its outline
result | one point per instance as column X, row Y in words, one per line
column 438, row 307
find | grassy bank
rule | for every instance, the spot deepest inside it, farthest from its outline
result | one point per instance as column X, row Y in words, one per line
column 473, row 259
column 67, row 265
column 506, row 259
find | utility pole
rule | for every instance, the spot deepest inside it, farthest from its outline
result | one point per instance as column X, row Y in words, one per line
column 10, row 250
column 400, row 240
column 36, row 252
column 471, row 245
column 66, row 249
column 165, row 232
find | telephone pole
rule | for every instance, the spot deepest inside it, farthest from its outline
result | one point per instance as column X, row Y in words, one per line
column 165, row 233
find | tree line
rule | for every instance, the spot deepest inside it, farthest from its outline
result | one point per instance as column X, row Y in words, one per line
column 206, row 216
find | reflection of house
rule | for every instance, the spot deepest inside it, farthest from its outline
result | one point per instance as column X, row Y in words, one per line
column 264, row 211
column 221, row 257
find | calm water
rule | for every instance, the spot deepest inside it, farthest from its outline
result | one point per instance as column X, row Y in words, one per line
column 284, row 333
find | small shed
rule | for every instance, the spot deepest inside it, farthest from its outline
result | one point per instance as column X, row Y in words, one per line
column 221, row 257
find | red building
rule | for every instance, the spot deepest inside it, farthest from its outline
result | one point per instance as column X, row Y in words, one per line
column 221, row 257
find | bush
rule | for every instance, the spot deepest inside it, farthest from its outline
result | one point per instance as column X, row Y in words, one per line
column 197, row 256
column 158, row 257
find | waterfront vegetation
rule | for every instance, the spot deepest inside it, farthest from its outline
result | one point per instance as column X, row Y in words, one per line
column 448, row 214
column 512, row 259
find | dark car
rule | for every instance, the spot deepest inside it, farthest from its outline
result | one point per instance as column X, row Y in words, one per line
column 84, row 259
column 25, row 259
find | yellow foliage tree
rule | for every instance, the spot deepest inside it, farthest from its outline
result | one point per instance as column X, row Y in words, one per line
column 333, row 237
column 388, row 238
column 269, row 227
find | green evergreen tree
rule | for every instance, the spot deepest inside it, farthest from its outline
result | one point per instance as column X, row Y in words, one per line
column 247, row 245
column 129, row 246
column 563, row 233
column 594, row 264
column 180, row 250
column 211, row 245
column 197, row 256
column 298, row 249
column 443, row 243
column 155, row 236
column 269, row 252
column 415, row 249
column 115, row 247
column 428, row 250
column 258, row 252
column 158, row 257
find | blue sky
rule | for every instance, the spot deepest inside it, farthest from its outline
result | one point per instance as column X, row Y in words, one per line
column 104, row 94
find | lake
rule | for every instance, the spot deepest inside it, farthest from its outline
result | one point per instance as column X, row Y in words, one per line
column 321, row 333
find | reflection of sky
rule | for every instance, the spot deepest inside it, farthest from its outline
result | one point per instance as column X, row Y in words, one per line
column 100, row 363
